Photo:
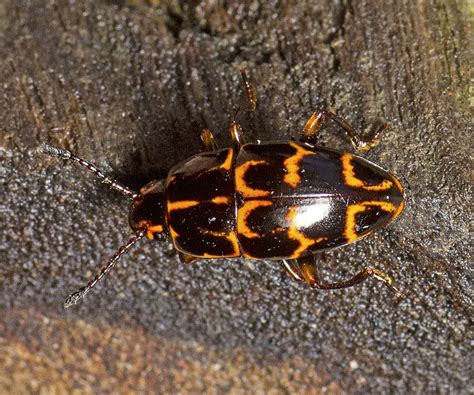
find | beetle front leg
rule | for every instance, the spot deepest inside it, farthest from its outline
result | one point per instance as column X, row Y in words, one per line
column 208, row 140
column 314, row 124
column 305, row 268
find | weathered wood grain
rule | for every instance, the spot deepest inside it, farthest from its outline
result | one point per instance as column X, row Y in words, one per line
column 128, row 85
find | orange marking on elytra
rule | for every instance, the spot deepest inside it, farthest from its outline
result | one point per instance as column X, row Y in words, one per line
column 352, row 210
column 228, row 160
column 230, row 236
column 241, row 185
column 351, row 180
column 295, row 234
column 398, row 184
column 210, row 256
column 226, row 164
column 242, row 214
column 220, row 200
column 398, row 211
column 291, row 164
column 173, row 233
column 182, row 204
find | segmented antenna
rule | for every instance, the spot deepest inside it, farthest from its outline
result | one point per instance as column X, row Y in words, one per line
column 65, row 154
column 80, row 293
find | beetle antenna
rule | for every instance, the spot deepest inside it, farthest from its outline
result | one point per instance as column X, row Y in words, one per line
column 65, row 154
column 80, row 293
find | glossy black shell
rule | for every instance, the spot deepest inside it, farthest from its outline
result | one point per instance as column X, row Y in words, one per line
column 276, row 200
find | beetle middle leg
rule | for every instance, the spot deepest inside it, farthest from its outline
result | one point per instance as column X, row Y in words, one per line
column 316, row 121
column 305, row 268
column 187, row 259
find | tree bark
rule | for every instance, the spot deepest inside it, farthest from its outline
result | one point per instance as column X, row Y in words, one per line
column 128, row 85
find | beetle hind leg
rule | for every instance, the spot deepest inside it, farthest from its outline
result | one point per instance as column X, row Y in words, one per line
column 305, row 268
column 316, row 121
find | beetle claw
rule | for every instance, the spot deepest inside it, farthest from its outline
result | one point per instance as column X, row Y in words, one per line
column 386, row 280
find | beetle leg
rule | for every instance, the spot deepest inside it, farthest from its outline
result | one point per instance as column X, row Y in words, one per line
column 292, row 270
column 184, row 258
column 208, row 140
column 306, row 268
column 235, row 129
column 237, row 134
column 249, row 91
column 314, row 124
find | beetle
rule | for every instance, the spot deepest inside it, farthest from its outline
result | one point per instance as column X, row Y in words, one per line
column 277, row 200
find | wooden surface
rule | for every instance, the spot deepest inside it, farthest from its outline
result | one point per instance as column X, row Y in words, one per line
column 128, row 85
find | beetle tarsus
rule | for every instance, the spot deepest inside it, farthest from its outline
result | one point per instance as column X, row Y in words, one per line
column 386, row 280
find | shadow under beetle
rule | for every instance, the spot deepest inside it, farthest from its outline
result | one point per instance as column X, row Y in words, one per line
column 278, row 200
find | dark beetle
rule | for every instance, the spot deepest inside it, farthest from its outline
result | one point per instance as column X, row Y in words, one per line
column 276, row 200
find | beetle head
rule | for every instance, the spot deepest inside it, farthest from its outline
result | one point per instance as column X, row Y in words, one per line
column 147, row 211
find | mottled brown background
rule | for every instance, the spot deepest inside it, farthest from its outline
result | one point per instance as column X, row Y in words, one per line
column 128, row 85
